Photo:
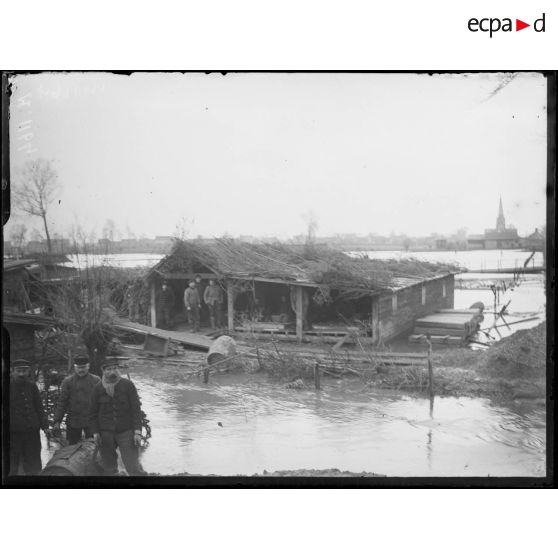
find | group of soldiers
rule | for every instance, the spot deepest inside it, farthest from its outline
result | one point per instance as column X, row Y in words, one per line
column 106, row 409
column 200, row 302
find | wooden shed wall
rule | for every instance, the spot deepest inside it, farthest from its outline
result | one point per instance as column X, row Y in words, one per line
column 410, row 307
column 22, row 341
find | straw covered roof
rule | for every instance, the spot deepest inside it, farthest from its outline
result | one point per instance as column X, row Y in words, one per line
column 311, row 265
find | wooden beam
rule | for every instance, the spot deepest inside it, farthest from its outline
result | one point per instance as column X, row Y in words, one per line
column 375, row 319
column 299, row 313
column 170, row 276
column 230, row 306
column 153, row 305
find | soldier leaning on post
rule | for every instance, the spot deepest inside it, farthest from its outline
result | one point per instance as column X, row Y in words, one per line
column 166, row 305
column 75, row 394
column 115, row 420
column 27, row 418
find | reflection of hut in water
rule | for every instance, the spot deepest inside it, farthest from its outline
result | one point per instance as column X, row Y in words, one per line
column 306, row 292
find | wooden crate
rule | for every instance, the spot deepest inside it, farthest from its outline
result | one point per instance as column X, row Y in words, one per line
column 156, row 345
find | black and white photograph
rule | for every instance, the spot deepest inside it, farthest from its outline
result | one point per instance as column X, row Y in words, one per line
column 269, row 276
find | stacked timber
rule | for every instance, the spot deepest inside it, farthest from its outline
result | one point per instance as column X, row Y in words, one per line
column 448, row 326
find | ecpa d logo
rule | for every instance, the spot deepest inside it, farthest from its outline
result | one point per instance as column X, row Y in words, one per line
column 492, row 25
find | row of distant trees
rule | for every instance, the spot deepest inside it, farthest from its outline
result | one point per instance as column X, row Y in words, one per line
column 33, row 193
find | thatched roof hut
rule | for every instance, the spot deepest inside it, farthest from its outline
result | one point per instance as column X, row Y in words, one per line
column 313, row 283
column 294, row 264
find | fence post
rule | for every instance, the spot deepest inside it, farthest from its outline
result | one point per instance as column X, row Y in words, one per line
column 317, row 375
column 430, row 371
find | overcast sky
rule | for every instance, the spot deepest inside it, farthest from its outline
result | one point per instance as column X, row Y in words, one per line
column 252, row 154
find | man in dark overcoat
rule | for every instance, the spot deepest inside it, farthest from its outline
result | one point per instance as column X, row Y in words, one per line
column 116, row 421
column 27, row 418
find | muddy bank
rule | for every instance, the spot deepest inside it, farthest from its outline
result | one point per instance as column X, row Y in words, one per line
column 317, row 473
column 293, row 473
column 514, row 367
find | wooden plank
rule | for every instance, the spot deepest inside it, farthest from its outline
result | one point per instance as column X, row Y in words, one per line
column 446, row 319
column 339, row 343
column 446, row 325
column 191, row 339
column 473, row 311
column 156, row 345
column 437, row 340
column 437, row 331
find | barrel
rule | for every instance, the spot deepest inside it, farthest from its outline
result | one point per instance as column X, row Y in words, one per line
column 223, row 347
column 77, row 460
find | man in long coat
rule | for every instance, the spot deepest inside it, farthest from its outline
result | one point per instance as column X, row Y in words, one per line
column 27, row 418
column 116, row 422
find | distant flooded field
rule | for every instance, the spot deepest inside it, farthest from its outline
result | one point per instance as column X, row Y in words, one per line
column 471, row 259
column 116, row 260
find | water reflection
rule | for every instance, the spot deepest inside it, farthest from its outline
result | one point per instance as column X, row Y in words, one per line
column 245, row 424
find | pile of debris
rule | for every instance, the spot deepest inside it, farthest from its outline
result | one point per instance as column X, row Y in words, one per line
column 522, row 354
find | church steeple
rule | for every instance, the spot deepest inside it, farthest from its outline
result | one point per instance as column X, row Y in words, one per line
column 501, row 221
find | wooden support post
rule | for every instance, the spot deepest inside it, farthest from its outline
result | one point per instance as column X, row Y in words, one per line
column 375, row 320
column 230, row 306
column 317, row 378
column 299, row 316
column 153, row 306
column 430, row 371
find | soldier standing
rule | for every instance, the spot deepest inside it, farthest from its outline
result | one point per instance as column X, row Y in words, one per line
column 213, row 298
column 192, row 302
column 27, row 418
column 75, row 394
column 116, row 422
column 166, row 303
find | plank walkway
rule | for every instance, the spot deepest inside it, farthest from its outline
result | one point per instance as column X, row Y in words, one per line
column 191, row 339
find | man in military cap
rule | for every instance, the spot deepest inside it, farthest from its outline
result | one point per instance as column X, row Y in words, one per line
column 27, row 418
column 75, row 394
column 192, row 301
column 116, row 421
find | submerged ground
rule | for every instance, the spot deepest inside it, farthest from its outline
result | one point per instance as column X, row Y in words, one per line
column 246, row 422
column 487, row 418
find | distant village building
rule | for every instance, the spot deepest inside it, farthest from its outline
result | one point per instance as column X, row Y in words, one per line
column 500, row 238
column 534, row 241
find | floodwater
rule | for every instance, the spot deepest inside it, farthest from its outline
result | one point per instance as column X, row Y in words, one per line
column 471, row 259
column 116, row 260
column 245, row 424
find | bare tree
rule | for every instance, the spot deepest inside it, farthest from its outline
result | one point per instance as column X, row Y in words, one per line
column 311, row 226
column 36, row 235
column 36, row 190
column 183, row 228
column 18, row 237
